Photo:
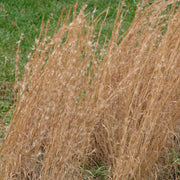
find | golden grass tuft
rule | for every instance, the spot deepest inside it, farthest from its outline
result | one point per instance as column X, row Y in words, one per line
column 80, row 103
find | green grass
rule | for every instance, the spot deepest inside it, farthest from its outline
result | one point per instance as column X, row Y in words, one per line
column 98, row 171
column 25, row 16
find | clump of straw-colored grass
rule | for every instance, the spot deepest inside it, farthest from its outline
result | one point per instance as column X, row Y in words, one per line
column 77, row 105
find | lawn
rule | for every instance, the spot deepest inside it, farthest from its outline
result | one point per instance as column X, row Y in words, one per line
column 26, row 16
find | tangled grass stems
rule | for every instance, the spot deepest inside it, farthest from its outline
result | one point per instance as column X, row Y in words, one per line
column 73, row 110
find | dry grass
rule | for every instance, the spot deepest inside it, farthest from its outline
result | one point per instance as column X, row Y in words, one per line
column 77, row 105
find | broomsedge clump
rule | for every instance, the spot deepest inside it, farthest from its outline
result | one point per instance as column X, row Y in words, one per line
column 77, row 106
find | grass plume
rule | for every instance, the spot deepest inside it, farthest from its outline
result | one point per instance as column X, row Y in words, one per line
column 80, row 103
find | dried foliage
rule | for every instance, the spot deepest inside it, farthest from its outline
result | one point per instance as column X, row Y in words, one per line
column 80, row 103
